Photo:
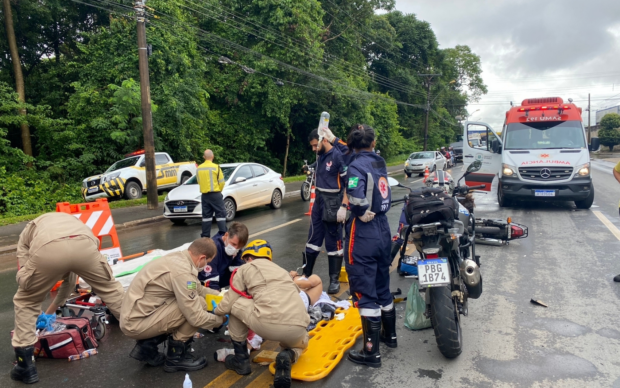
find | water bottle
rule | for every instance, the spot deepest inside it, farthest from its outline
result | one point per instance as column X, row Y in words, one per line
column 187, row 383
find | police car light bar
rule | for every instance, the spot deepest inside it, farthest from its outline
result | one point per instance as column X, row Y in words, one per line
column 135, row 153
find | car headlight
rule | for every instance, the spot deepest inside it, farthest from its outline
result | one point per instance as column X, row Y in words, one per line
column 108, row 178
column 508, row 170
column 166, row 199
column 584, row 170
column 406, row 163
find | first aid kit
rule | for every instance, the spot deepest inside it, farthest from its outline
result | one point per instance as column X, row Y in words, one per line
column 73, row 339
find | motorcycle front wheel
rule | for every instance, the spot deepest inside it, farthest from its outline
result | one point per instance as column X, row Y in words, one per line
column 446, row 322
column 305, row 191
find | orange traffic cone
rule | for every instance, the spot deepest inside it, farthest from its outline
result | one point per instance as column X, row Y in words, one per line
column 426, row 174
column 312, row 196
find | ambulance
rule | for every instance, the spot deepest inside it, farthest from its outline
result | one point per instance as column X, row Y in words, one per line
column 540, row 154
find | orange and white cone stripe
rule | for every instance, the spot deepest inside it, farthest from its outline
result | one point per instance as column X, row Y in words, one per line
column 312, row 197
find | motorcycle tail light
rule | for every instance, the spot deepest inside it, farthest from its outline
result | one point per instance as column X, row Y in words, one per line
column 516, row 231
column 432, row 256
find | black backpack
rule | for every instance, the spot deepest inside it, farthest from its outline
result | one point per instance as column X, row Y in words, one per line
column 428, row 204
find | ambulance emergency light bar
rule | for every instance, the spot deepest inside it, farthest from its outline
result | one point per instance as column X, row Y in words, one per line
column 531, row 108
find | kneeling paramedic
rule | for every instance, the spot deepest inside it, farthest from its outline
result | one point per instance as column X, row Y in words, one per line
column 367, row 246
column 264, row 298
column 55, row 246
column 327, row 212
column 166, row 301
column 228, row 257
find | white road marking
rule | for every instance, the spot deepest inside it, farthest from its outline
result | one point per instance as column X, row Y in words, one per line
column 274, row 228
column 612, row 228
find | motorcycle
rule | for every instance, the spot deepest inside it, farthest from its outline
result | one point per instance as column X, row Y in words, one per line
column 306, row 186
column 448, row 267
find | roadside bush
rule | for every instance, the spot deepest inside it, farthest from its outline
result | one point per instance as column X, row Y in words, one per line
column 609, row 138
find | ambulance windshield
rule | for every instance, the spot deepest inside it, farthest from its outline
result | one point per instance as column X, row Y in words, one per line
column 545, row 135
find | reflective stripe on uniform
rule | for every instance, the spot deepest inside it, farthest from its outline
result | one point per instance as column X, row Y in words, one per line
column 370, row 312
column 206, row 219
column 214, row 279
column 358, row 201
column 370, row 186
column 211, row 177
column 388, row 307
column 351, row 242
column 336, row 253
column 220, row 219
column 313, row 247
column 231, row 268
column 328, row 190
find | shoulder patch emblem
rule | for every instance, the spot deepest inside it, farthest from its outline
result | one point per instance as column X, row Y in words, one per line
column 191, row 285
column 353, row 182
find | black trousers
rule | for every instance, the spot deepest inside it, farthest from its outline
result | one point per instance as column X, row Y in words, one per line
column 213, row 203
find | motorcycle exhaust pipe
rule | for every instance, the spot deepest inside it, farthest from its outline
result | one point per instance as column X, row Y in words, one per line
column 490, row 241
column 470, row 272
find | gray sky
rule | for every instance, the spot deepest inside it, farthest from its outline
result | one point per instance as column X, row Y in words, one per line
column 532, row 48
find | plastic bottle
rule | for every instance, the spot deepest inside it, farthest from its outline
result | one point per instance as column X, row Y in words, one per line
column 187, row 383
column 84, row 354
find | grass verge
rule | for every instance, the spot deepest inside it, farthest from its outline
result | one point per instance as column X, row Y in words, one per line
column 113, row 205
column 296, row 178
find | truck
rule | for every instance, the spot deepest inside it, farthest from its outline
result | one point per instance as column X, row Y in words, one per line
column 540, row 154
column 127, row 177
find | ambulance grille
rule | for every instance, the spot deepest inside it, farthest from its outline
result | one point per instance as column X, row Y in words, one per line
column 545, row 173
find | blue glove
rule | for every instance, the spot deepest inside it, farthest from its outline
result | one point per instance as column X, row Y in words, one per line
column 214, row 307
column 44, row 321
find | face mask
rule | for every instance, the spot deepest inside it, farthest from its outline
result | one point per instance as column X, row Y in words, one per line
column 230, row 250
column 200, row 269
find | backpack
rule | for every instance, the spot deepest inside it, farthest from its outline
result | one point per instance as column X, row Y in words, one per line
column 77, row 337
column 430, row 204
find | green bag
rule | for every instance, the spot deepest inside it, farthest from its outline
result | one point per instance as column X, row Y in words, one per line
column 414, row 313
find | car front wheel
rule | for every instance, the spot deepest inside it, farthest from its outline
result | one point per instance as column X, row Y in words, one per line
column 276, row 199
column 133, row 191
column 231, row 209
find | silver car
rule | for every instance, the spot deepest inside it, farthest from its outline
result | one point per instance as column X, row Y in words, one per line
column 418, row 161
column 247, row 185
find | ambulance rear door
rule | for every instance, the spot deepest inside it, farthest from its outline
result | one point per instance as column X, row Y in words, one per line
column 488, row 150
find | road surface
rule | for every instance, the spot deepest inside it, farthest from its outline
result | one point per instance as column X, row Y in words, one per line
column 568, row 261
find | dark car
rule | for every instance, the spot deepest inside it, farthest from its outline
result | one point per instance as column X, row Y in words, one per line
column 458, row 151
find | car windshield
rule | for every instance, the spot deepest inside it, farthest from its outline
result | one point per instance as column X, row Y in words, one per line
column 545, row 135
column 227, row 171
column 123, row 163
column 422, row 155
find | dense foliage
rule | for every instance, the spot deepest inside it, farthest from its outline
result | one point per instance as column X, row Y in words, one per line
column 247, row 78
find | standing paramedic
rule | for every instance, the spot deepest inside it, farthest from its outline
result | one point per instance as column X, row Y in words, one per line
column 165, row 301
column 216, row 275
column 211, row 181
column 55, row 246
column 367, row 246
column 329, row 210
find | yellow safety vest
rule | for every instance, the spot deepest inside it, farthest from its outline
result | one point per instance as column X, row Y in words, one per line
column 210, row 177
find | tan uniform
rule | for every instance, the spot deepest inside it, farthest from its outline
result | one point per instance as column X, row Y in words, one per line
column 275, row 312
column 58, row 246
column 167, row 297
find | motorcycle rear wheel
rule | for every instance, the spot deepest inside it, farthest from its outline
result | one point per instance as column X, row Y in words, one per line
column 305, row 191
column 446, row 322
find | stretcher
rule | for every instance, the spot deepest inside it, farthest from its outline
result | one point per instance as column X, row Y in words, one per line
column 328, row 343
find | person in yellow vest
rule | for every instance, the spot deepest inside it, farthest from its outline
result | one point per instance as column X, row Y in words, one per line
column 211, row 181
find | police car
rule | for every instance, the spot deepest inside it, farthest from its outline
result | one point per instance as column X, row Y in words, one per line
column 127, row 177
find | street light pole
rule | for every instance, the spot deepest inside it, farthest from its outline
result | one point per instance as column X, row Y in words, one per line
column 147, row 117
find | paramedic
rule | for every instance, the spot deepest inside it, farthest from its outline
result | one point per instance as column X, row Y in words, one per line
column 330, row 169
column 166, row 301
column 367, row 246
column 55, row 246
column 216, row 275
column 211, row 181
column 264, row 298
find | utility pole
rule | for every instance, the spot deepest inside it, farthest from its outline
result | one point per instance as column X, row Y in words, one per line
column 429, row 80
column 147, row 118
column 589, row 128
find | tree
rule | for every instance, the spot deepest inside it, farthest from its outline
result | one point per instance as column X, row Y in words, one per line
column 466, row 71
column 610, row 121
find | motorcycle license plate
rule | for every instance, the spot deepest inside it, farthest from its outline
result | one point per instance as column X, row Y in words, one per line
column 433, row 272
column 544, row 193
column 180, row 209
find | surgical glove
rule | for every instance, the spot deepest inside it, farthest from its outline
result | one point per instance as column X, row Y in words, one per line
column 341, row 216
column 367, row 216
column 327, row 134
column 44, row 321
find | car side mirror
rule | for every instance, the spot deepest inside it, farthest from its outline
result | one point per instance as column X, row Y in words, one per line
column 240, row 179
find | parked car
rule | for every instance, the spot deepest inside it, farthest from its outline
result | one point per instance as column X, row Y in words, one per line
column 458, row 151
column 418, row 161
column 247, row 185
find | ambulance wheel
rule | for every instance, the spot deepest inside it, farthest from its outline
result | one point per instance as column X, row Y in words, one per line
column 231, row 209
column 445, row 322
column 586, row 203
column 501, row 199
column 305, row 191
column 276, row 199
column 133, row 191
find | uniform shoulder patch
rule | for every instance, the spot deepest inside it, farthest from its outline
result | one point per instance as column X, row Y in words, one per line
column 191, row 285
column 353, row 182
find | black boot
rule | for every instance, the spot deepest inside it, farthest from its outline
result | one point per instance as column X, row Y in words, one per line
column 179, row 357
column 388, row 327
column 147, row 350
column 25, row 370
column 395, row 249
column 284, row 363
column 369, row 355
column 240, row 362
column 309, row 260
column 335, row 264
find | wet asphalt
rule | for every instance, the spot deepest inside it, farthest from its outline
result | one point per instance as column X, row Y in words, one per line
column 568, row 261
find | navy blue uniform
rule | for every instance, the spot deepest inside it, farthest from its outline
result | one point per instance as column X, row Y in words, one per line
column 330, row 172
column 217, row 273
column 367, row 244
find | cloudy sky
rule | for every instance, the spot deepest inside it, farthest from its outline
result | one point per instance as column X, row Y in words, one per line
column 531, row 48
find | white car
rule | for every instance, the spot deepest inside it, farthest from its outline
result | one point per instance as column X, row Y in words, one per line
column 247, row 185
column 419, row 161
